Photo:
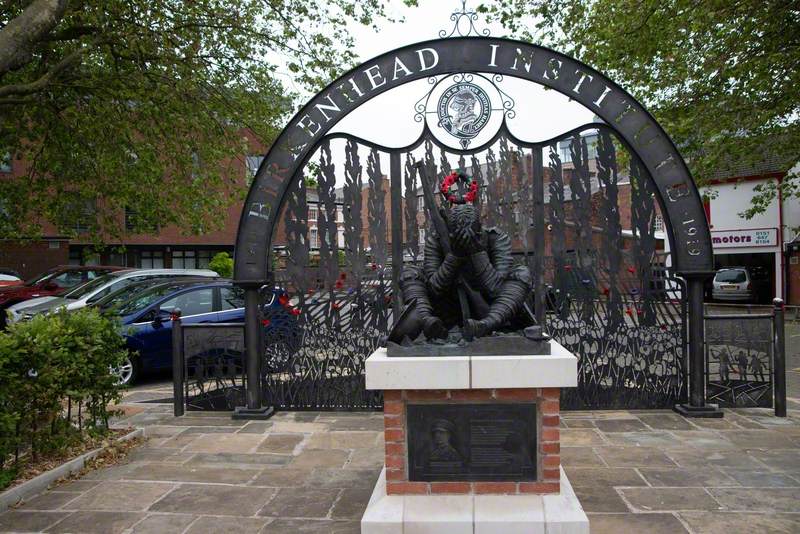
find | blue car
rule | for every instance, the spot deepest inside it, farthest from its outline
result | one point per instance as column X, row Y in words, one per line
column 147, row 325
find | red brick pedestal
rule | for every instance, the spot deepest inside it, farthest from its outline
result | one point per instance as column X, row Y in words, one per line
column 547, row 432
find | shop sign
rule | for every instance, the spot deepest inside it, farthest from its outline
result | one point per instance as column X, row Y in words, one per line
column 760, row 237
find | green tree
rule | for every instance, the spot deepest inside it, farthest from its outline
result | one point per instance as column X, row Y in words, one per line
column 142, row 104
column 721, row 76
column 222, row 263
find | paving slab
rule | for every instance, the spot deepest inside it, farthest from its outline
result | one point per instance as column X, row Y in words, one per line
column 758, row 499
column 761, row 478
column 620, row 425
column 223, row 500
column 237, row 459
column 280, row 443
column 581, row 437
column 327, row 477
column 304, row 526
column 216, row 525
column 97, row 522
column 599, row 498
column 282, row 477
column 320, row 458
column 635, row 524
column 634, row 457
column 225, row 443
column 669, row 499
column 198, row 473
column 50, row 500
column 666, row 421
column 687, row 477
column 728, row 523
column 24, row 521
column 351, row 504
column 121, row 496
column 603, row 476
column 303, row 502
column 580, row 457
column 163, row 524
column 344, row 440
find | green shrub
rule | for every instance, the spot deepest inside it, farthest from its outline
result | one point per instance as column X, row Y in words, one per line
column 222, row 263
column 55, row 381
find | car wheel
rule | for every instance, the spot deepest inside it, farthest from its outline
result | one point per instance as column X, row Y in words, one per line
column 128, row 371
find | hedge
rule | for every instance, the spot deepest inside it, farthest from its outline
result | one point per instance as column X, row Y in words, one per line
column 55, row 382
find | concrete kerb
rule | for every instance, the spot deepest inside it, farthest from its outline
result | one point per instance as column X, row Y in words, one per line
column 36, row 485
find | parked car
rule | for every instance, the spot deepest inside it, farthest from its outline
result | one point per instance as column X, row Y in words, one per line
column 734, row 284
column 9, row 278
column 147, row 319
column 114, row 299
column 52, row 282
column 96, row 289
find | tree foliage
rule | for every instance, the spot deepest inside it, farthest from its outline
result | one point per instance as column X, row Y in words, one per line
column 142, row 104
column 721, row 76
column 222, row 263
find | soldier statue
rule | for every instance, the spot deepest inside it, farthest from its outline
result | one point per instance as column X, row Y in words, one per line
column 468, row 278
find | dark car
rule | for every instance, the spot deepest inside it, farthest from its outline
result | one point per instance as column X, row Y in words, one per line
column 147, row 319
column 52, row 282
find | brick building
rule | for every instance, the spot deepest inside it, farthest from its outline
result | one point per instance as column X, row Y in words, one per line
column 169, row 247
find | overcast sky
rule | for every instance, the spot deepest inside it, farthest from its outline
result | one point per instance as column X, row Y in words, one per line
column 389, row 118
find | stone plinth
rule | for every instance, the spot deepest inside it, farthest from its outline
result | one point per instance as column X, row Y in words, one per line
column 548, row 448
column 474, row 469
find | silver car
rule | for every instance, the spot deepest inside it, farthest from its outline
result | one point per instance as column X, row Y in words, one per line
column 733, row 284
column 95, row 289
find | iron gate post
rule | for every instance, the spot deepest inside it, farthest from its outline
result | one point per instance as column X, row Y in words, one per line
column 178, row 364
column 779, row 359
column 253, row 342
column 697, row 407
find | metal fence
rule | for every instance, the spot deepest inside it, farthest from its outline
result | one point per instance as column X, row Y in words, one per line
column 745, row 360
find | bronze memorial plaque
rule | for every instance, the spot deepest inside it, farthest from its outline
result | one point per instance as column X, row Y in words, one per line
column 471, row 442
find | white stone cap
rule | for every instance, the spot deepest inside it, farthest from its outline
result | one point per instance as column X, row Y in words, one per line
column 557, row 369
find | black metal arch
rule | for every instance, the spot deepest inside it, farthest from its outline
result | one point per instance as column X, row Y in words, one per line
column 687, row 228
column 690, row 239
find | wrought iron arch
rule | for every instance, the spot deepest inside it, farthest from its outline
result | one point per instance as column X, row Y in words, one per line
column 667, row 174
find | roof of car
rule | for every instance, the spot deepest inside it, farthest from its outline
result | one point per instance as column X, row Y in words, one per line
column 88, row 268
column 205, row 273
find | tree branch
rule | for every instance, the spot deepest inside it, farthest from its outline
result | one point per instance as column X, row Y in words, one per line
column 37, row 85
column 20, row 35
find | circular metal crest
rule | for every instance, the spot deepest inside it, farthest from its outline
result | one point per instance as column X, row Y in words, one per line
column 464, row 109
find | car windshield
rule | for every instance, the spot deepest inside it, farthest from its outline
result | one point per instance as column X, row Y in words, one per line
column 144, row 299
column 41, row 278
column 87, row 288
column 121, row 295
column 731, row 276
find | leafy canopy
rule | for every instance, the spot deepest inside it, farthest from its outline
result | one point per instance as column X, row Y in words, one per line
column 143, row 104
column 721, row 76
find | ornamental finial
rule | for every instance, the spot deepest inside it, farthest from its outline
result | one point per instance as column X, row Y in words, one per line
column 464, row 24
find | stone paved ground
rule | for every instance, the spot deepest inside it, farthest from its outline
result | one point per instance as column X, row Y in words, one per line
column 635, row 472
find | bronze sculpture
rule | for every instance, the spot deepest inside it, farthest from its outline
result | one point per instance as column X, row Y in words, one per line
column 468, row 279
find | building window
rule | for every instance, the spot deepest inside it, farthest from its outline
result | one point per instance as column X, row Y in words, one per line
column 253, row 163
column 86, row 215
column 5, row 163
column 312, row 213
column 658, row 224
column 75, row 256
column 204, row 258
column 183, row 259
column 314, row 237
column 422, row 237
column 151, row 259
